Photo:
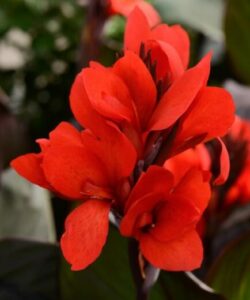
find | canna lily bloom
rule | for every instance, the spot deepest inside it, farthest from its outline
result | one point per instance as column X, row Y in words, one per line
column 171, row 43
column 239, row 192
column 236, row 190
column 151, row 96
column 162, row 217
column 181, row 115
column 77, row 166
column 124, row 7
column 238, row 143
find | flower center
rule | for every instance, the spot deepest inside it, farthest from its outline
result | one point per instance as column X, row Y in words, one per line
column 145, row 222
column 163, row 83
column 92, row 191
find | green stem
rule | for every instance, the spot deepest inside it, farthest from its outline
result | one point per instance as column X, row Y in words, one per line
column 143, row 284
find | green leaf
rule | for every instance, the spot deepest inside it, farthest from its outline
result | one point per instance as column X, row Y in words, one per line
column 181, row 286
column 114, row 27
column 202, row 15
column 43, row 44
column 112, row 34
column 110, row 278
column 28, row 270
column 237, row 26
column 230, row 274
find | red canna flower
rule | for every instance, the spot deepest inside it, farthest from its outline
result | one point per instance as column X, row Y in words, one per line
column 124, row 7
column 236, row 190
column 163, row 217
column 129, row 97
column 238, row 143
column 78, row 166
column 240, row 191
column 171, row 43
column 146, row 108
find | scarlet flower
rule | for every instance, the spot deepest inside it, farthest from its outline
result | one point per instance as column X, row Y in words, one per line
column 124, row 7
column 146, row 105
column 238, row 143
column 128, row 96
column 78, row 166
column 170, row 43
column 163, row 218
column 236, row 190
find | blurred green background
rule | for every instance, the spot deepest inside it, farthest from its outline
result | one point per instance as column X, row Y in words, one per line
column 43, row 44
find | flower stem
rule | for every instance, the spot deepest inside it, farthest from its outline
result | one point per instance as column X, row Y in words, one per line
column 143, row 273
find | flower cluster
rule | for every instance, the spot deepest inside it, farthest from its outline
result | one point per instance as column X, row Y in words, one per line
column 238, row 142
column 236, row 190
column 140, row 115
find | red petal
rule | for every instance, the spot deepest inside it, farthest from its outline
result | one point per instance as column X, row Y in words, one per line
column 150, row 13
column 82, row 108
column 193, row 187
column 182, row 254
column 43, row 144
column 86, row 230
column 108, row 94
column 174, row 217
column 29, row 167
column 168, row 61
column 115, row 151
column 181, row 163
column 65, row 134
column 137, row 30
column 212, row 113
column 180, row 95
column 204, row 156
column 126, row 7
column 144, row 204
column 224, row 164
column 139, row 82
column 68, row 168
column 156, row 180
column 177, row 37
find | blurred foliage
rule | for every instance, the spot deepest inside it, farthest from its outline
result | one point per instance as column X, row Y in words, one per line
column 33, row 271
column 113, row 32
column 230, row 274
column 241, row 95
column 106, row 278
column 110, row 278
column 29, row 270
column 237, row 36
column 15, row 142
column 39, row 89
column 180, row 286
column 201, row 15
column 25, row 210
